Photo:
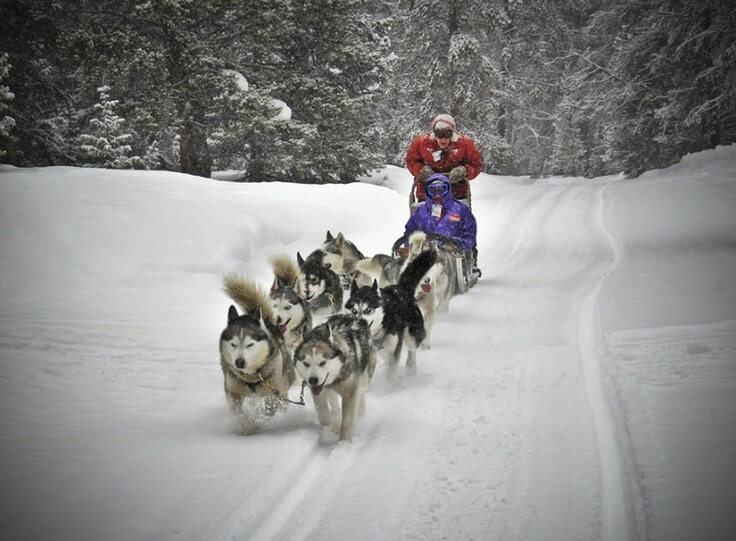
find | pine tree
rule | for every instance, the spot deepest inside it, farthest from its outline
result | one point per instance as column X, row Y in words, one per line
column 7, row 123
column 670, row 67
column 107, row 144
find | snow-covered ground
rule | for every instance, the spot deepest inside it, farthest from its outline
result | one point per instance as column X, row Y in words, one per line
column 584, row 389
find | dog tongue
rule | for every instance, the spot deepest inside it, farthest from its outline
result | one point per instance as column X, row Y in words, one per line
column 426, row 288
column 282, row 328
column 316, row 390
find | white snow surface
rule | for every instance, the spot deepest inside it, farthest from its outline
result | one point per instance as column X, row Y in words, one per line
column 584, row 389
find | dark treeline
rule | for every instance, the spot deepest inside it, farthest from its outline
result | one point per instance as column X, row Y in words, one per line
column 575, row 87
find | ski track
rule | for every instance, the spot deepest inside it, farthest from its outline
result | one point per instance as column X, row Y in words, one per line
column 521, row 258
column 614, row 513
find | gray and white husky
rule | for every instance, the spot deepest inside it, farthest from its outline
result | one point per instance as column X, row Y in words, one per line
column 319, row 285
column 392, row 313
column 342, row 256
column 293, row 315
column 253, row 356
column 337, row 360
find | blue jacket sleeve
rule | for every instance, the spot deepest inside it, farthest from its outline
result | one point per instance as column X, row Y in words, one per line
column 413, row 223
column 469, row 230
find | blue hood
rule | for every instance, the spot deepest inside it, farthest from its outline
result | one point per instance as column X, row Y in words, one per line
column 438, row 178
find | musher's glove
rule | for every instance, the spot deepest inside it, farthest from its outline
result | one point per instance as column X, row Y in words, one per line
column 458, row 174
column 424, row 173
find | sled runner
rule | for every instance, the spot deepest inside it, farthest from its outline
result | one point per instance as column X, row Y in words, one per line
column 463, row 262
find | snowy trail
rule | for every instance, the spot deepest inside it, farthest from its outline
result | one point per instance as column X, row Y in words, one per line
column 583, row 389
column 579, row 261
column 538, row 416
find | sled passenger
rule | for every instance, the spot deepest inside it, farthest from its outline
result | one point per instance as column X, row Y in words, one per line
column 444, row 215
column 444, row 150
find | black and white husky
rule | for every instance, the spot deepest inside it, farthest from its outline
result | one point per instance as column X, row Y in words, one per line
column 293, row 315
column 319, row 285
column 337, row 360
column 253, row 356
column 392, row 313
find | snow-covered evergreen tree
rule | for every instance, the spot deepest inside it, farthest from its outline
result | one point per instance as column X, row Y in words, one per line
column 7, row 123
column 106, row 142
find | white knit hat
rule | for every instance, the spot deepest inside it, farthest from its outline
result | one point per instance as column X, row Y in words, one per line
column 443, row 121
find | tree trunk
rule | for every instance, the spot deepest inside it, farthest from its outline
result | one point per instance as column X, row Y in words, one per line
column 195, row 154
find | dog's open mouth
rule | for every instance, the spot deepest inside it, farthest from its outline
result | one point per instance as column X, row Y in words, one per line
column 317, row 389
column 283, row 327
column 426, row 288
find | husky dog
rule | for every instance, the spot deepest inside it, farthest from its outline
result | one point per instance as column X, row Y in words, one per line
column 293, row 315
column 445, row 277
column 318, row 285
column 341, row 255
column 392, row 313
column 386, row 270
column 337, row 359
column 254, row 359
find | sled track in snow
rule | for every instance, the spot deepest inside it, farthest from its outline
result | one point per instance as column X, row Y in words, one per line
column 620, row 501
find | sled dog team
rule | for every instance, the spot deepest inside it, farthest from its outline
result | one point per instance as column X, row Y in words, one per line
column 325, row 321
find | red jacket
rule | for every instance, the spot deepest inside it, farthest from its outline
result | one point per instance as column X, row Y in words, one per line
column 461, row 151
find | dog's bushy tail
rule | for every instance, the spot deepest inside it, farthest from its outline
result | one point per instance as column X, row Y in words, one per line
column 285, row 270
column 414, row 271
column 248, row 295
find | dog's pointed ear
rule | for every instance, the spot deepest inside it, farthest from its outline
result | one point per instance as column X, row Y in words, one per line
column 257, row 314
column 329, row 236
column 353, row 287
column 232, row 313
column 340, row 239
column 299, row 259
column 276, row 284
column 374, row 286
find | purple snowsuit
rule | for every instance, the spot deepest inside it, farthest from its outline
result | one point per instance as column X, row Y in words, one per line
column 455, row 221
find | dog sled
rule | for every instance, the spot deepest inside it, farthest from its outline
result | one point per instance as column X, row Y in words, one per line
column 463, row 261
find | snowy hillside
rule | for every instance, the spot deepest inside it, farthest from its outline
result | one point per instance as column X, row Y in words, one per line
column 584, row 389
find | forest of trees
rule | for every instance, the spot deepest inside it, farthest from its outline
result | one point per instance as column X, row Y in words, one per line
column 573, row 87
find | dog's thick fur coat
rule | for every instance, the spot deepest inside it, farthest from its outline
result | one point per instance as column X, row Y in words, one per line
column 293, row 314
column 318, row 285
column 254, row 358
column 392, row 313
column 337, row 358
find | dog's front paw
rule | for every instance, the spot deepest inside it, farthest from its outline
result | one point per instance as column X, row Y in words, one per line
column 245, row 425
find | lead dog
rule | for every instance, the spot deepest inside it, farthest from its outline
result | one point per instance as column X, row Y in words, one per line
column 337, row 359
column 253, row 356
